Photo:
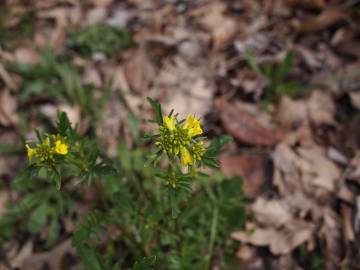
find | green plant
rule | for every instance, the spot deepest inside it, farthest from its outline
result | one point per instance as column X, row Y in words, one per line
column 56, row 77
column 154, row 206
column 100, row 38
column 276, row 76
column 23, row 28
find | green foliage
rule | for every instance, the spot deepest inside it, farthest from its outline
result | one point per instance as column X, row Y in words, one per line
column 42, row 206
column 153, row 217
column 276, row 76
column 311, row 260
column 56, row 77
column 146, row 263
column 24, row 28
column 100, row 38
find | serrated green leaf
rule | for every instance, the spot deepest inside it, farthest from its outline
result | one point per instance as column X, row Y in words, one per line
column 157, row 108
column 38, row 219
column 284, row 68
column 90, row 257
column 124, row 155
column 63, row 123
column 146, row 263
column 216, row 145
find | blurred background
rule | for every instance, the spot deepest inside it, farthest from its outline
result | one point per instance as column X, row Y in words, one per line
column 282, row 77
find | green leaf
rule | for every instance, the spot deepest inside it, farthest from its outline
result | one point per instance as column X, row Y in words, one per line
column 174, row 202
column 232, row 187
column 146, row 263
column 216, row 145
column 38, row 219
column 63, row 123
column 153, row 158
column 210, row 162
column 293, row 89
column 157, row 108
column 284, row 68
column 90, row 257
column 53, row 233
column 124, row 155
column 100, row 38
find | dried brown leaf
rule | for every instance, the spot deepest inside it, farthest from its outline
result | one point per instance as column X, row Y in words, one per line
column 321, row 108
column 244, row 126
column 280, row 241
column 316, row 4
column 8, row 106
column 322, row 21
column 250, row 166
column 139, row 72
column 291, row 112
column 272, row 213
column 185, row 88
column 214, row 18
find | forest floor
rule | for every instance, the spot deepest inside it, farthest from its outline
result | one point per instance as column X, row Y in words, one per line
column 282, row 77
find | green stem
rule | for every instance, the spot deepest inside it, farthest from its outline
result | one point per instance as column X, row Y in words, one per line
column 213, row 232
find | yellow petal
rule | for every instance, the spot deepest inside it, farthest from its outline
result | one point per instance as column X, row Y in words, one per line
column 30, row 151
column 169, row 122
column 61, row 148
column 193, row 126
column 185, row 156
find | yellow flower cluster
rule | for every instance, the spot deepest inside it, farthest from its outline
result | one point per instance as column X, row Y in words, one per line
column 177, row 139
column 45, row 151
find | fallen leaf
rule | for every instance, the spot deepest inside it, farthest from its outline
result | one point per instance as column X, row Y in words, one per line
column 92, row 76
column 315, row 4
column 321, row 108
column 322, row 21
column 139, row 72
column 251, row 167
column 73, row 112
column 26, row 251
column 96, row 15
column 53, row 258
column 331, row 232
column 270, row 212
column 279, row 241
column 7, row 78
column 108, row 130
column 323, row 172
column 347, row 218
column 8, row 107
column 291, row 112
column 102, row 2
column 243, row 126
column 185, row 88
column 26, row 56
column 355, row 99
column 221, row 25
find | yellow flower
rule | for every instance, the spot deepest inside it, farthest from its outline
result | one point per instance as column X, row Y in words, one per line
column 185, row 156
column 31, row 152
column 61, row 148
column 169, row 122
column 193, row 126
